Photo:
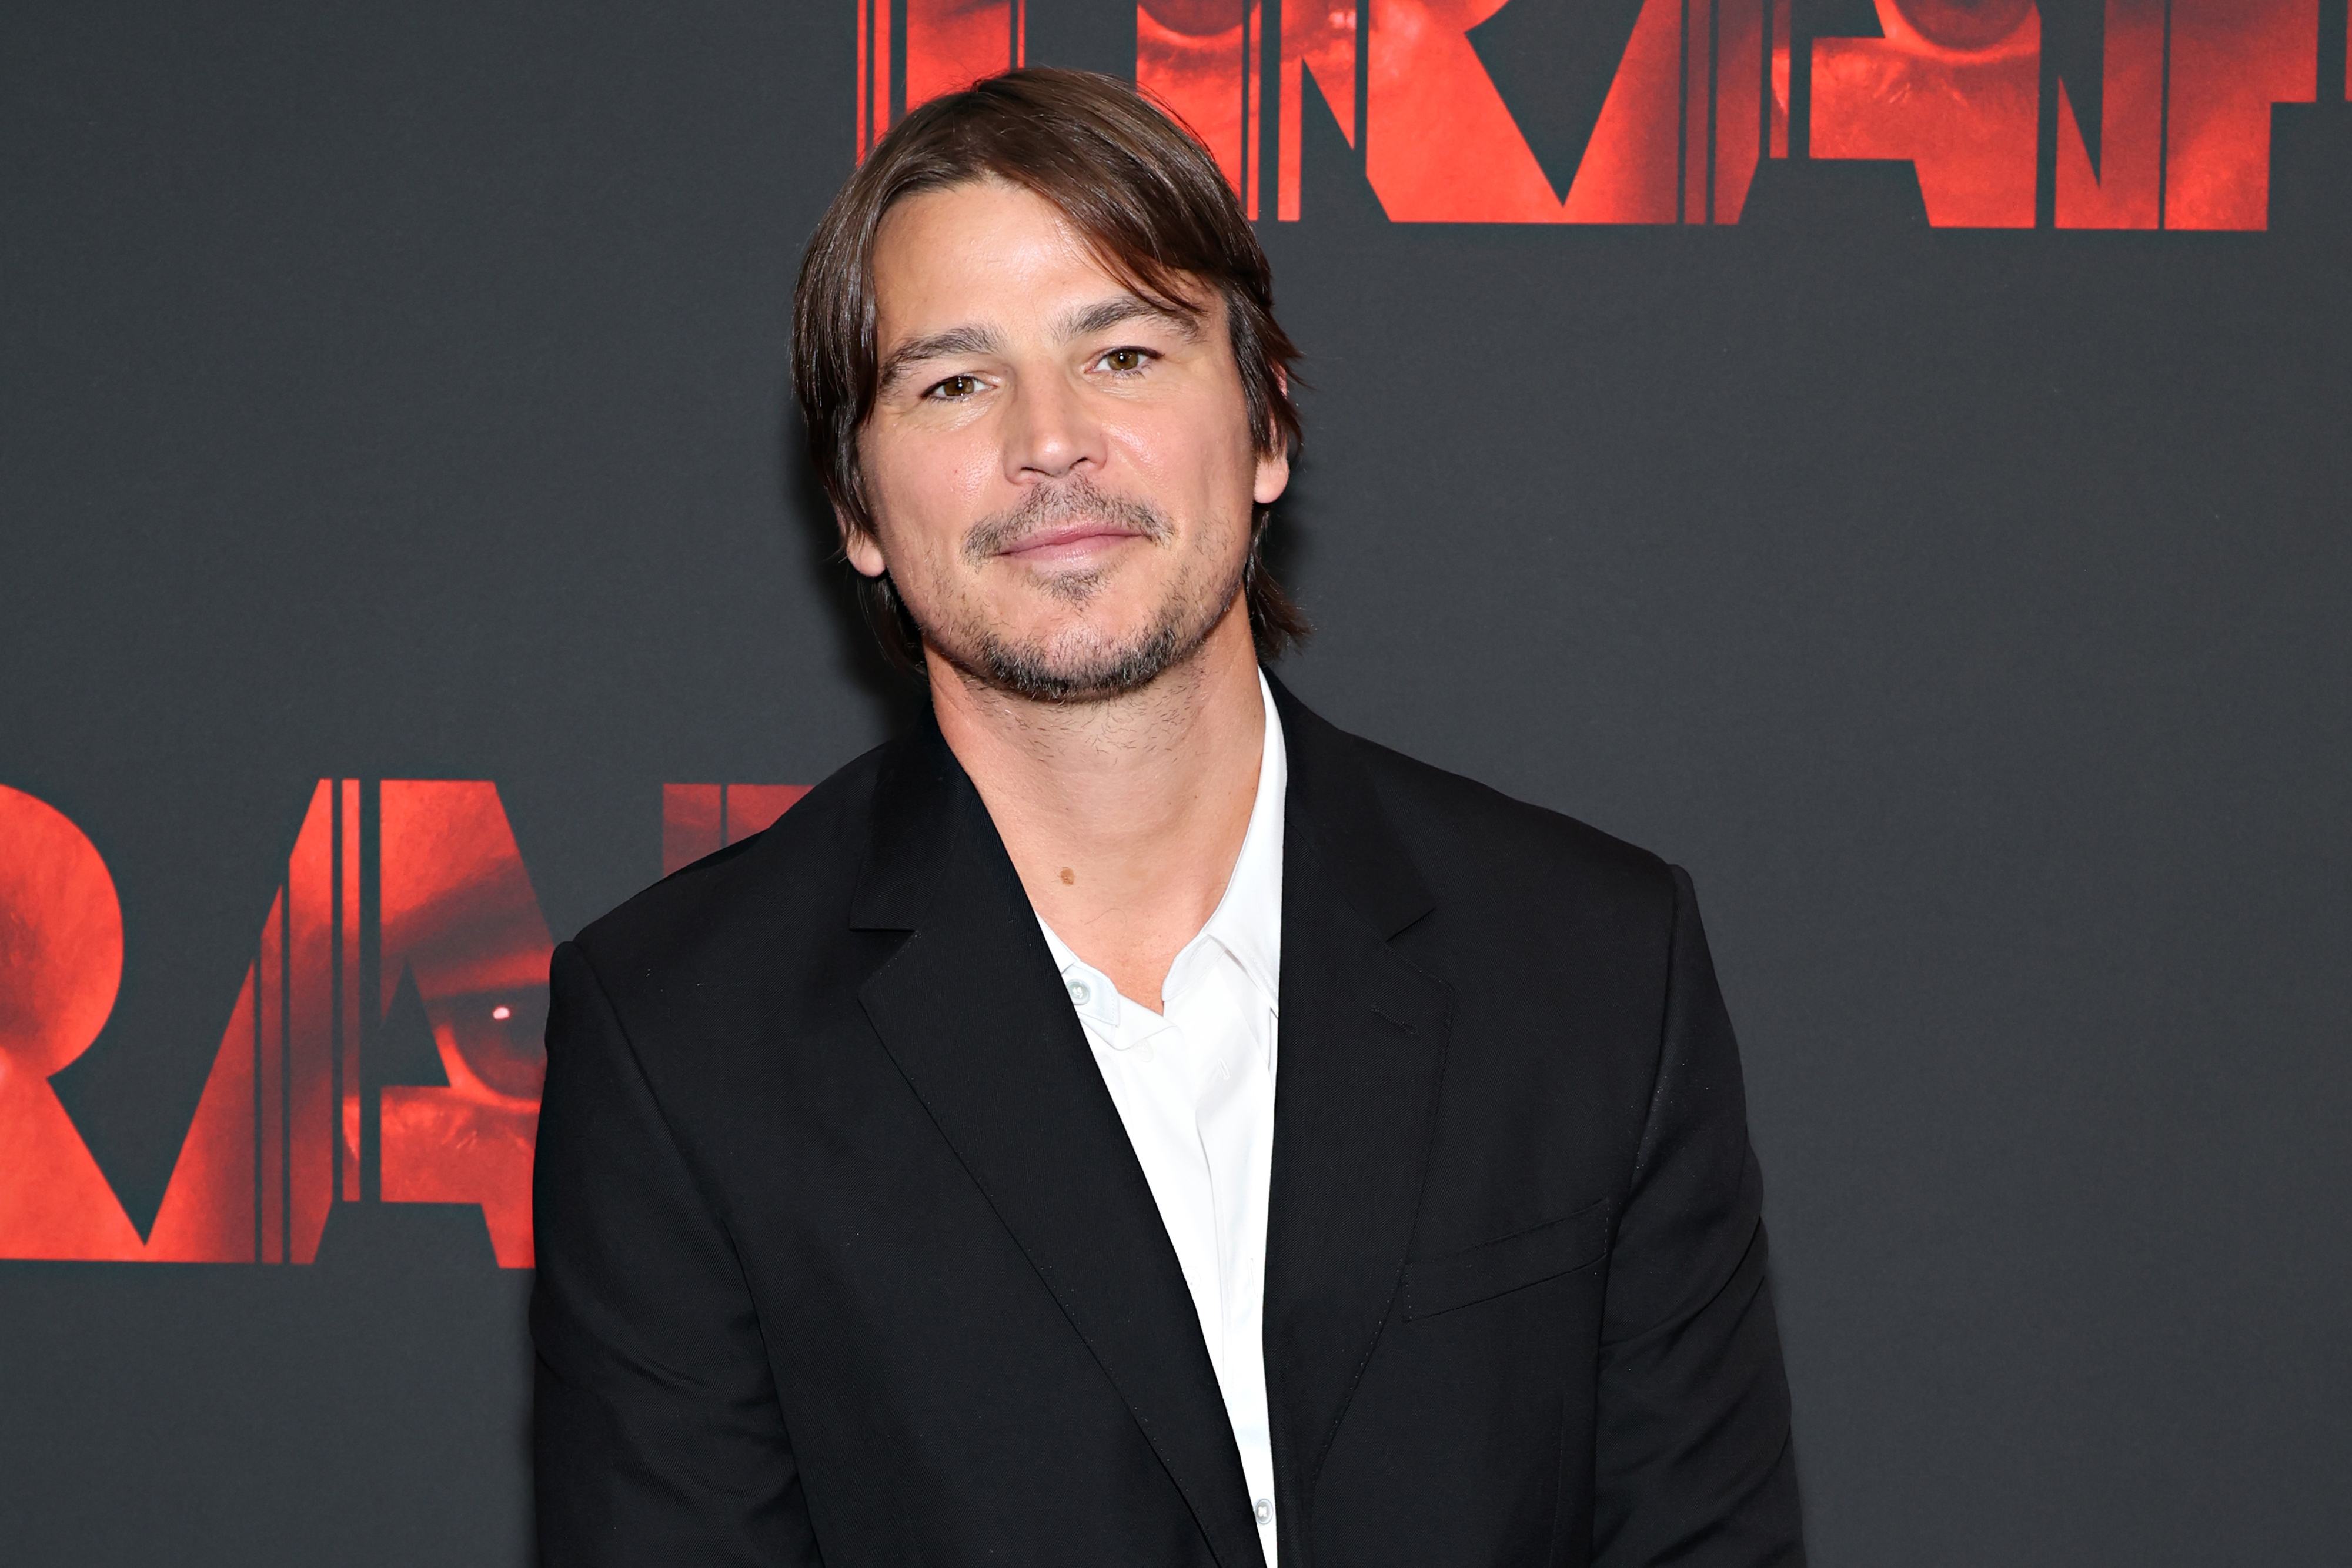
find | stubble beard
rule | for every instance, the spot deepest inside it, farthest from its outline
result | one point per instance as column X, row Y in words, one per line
column 1055, row 671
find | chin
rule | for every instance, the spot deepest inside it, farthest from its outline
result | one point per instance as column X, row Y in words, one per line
column 1116, row 641
column 1083, row 628
column 1077, row 664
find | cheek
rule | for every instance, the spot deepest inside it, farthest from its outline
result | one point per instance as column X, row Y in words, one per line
column 922, row 484
column 1198, row 466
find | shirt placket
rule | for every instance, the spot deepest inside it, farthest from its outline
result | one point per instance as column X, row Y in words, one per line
column 1235, row 1117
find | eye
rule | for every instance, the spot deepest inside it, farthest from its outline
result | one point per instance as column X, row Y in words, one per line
column 955, row 389
column 1965, row 26
column 1125, row 361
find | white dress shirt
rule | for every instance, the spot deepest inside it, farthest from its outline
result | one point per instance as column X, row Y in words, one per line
column 1195, row 1086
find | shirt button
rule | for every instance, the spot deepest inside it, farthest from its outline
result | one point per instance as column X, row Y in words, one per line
column 1080, row 992
column 1264, row 1511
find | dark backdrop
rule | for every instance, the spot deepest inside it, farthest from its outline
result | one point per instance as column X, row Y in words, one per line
column 400, row 392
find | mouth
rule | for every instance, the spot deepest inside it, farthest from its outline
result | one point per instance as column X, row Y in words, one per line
column 1067, row 530
column 1069, row 544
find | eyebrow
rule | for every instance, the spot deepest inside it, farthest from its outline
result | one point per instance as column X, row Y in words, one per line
column 935, row 346
column 1100, row 317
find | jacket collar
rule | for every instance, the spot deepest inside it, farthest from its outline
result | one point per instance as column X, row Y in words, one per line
column 1329, row 796
column 971, row 1009
column 1364, row 1034
column 921, row 799
column 1332, row 799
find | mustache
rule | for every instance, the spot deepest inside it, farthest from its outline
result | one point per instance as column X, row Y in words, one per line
column 1075, row 500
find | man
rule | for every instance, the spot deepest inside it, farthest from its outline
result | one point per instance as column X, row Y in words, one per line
column 1126, row 1120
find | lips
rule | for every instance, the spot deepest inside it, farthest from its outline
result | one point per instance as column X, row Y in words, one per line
column 1067, row 540
column 1069, row 524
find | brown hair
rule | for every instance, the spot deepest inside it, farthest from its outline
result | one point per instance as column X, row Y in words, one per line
column 1147, row 197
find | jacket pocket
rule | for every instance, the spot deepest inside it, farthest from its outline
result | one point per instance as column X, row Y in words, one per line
column 1493, row 1268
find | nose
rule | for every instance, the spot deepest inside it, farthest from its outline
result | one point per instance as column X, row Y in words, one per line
column 1049, row 430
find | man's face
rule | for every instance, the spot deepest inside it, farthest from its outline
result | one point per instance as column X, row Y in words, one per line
column 1061, row 475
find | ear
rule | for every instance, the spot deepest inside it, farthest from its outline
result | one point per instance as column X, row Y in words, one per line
column 860, row 547
column 1274, row 467
column 1273, row 477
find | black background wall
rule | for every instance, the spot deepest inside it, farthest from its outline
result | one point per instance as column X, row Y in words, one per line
column 400, row 392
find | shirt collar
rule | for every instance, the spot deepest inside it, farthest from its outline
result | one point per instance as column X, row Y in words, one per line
column 1248, row 919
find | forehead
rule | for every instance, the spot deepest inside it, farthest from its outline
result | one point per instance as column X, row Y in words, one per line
column 989, row 251
column 960, row 245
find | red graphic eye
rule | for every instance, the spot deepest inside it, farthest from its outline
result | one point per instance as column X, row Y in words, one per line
column 502, row 1044
column 1965, row 26
column 1195, row 19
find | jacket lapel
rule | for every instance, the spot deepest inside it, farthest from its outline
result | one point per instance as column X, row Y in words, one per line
column 972, row 1011
column 1362, row 1048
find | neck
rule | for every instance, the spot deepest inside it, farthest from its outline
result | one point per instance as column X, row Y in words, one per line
column 1123, row 817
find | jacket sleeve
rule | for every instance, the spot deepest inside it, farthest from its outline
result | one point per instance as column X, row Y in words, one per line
column 1693, row 1458
column 658, row 1435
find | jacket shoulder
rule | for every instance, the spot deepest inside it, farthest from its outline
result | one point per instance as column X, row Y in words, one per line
column 804, row 865
column 1470, row 839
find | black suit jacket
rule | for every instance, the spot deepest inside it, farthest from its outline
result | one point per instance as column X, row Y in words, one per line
column 845, row 1256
